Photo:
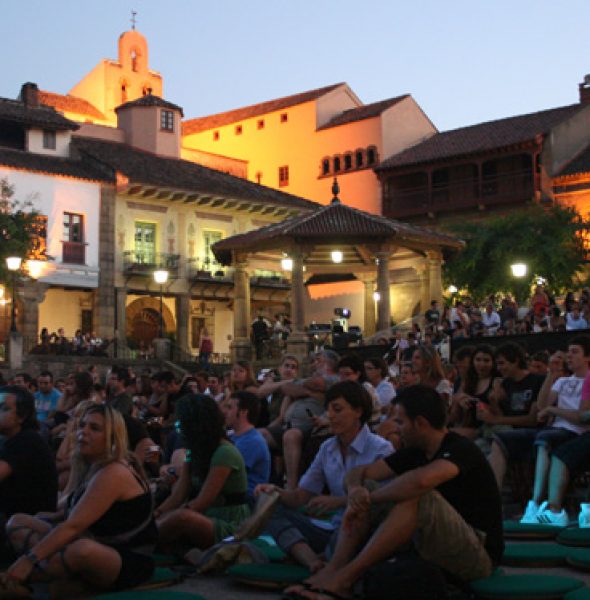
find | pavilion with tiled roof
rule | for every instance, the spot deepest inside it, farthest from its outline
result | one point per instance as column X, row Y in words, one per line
column 367, row 244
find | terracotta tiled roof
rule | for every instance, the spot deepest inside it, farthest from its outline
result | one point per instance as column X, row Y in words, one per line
column 363, row 112
column 150, row 100
column 580, row 164
column 147, row 168
column 333, row 222
column 44, row 117
column 69, row 104
column 482, row 137
column 247, row 112
column 54, row 165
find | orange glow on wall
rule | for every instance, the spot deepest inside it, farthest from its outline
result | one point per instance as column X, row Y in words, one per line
column 327, row 290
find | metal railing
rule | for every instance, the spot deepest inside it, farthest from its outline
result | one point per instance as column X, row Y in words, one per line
column 205, row 268
column 73, row 253
column 144, row 263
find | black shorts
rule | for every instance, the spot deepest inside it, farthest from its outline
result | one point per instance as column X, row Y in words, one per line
column 575, row 454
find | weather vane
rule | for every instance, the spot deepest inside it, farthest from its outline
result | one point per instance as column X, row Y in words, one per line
column 133, row 19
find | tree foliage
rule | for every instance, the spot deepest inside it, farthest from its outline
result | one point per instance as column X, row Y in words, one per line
column 19, row 228
column 550, row 241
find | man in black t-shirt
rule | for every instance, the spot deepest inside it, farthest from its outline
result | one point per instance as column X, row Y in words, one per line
column 442, row 498
column 28, row 477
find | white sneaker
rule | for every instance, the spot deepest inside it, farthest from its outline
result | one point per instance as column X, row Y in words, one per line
column 530, row 514
column 548, row 517
column 584, row 516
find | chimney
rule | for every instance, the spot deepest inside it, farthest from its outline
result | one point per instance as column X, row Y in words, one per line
column 29, row 95
column 584, row 88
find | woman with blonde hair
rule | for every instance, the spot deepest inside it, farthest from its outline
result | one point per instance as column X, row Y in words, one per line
column 106, row 517
column 428, row 366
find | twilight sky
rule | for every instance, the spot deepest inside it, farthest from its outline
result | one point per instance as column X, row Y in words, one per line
column 464, row 61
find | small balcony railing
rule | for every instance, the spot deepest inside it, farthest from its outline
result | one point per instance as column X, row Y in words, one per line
column 207, row 268
column 73, row 253
column 145, row 263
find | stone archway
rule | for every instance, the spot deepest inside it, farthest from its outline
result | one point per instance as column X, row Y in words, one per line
column 143, row 320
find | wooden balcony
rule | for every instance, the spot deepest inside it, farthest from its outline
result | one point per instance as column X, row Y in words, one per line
column 507, row 188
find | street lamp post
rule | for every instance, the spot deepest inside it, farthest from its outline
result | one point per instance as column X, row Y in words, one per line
column 13, row 263
column 161, row 277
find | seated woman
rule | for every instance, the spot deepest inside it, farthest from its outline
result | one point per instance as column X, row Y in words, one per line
column 106, row 518
column 215, row 469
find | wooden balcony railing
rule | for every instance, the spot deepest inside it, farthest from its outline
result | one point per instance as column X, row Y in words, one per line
column 509, row 187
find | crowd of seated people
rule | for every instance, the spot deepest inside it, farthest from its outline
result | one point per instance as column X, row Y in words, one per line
column 360, row 454
column 80, row 344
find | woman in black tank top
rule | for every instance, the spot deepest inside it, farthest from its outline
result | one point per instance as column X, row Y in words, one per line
column 105, row 520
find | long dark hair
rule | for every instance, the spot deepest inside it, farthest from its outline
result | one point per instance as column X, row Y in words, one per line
column 24, row 403
column 471, row 377
column 202, row 425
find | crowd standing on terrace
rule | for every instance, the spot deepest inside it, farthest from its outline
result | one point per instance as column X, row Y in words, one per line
column 398, row 453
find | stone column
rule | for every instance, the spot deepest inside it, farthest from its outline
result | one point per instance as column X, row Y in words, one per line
column 424, row 275
column 104, row 296
column 369, row 303
column 384, row 304
column 32, row 294
column 121, row 321
column 183, row 307
column 297, row 341
column 435, row 275
column 241, row 347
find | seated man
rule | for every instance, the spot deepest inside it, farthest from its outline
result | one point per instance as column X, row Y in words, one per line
column 443, row 499
column 349, row 408
column 305, row 401
column 241, row 412
column 563, row 403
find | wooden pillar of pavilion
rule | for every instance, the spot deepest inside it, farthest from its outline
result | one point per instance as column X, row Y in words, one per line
column 434, row 262
column 368, row 280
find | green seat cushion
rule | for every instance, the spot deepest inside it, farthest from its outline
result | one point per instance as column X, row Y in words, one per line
column 524, row 587
column 574, row 536
column 272, row 551
column 269, row 575
column 162, row 576
column 581, row 594
column 165, row 560
column 579, row 558
column 149, row 595
column 539, row 531
column 535, row 554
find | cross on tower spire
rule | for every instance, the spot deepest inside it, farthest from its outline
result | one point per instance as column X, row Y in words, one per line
column 133, row 19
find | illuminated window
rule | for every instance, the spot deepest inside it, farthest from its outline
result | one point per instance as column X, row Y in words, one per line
column 260, row 124
column 284, row 117
column 216, row 136
column 210, row 238
column 145, row 243
column 167, row 120
column 283, row 176
column 238, row 130
column 49, row 139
